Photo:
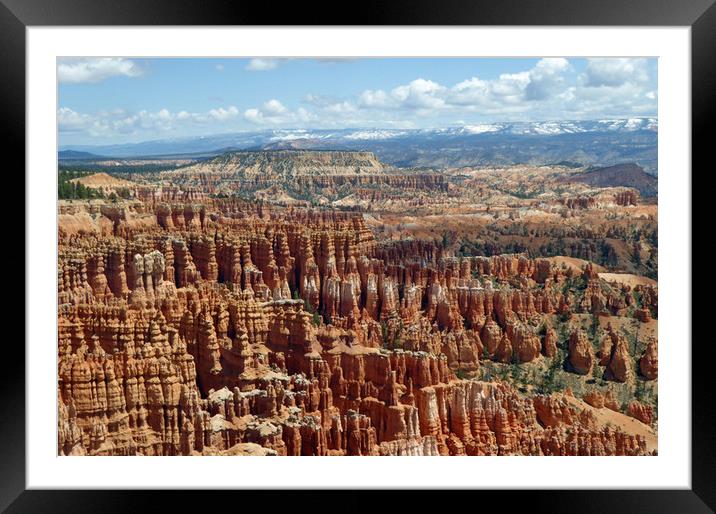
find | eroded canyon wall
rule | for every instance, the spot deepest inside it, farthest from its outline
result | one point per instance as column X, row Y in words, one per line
column 222, row 327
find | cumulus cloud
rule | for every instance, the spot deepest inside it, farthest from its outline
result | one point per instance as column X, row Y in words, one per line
column 546, row 79
column 509, row 91
column 613, row 87
column 377, row 99
column 222, row 114
column 553, row 88
column 272, row 112
column 340, row 108
column 75, row 71
column 420, row 94
column 473, row 91
column 625, row 100
column 274, row 107
column 509, row 88
column 615, row 72
column 324, row 110
column 330, row 104
column 120, row 121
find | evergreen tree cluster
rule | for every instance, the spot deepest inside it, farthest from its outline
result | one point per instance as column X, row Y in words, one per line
column 67, row 190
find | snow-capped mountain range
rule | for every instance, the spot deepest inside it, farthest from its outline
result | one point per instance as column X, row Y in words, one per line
column 539, row 128
column 244, row 140
column 603, row 142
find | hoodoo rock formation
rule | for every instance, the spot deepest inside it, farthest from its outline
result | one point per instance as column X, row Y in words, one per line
column 194, row 324
column 581, row 355
column 649, row 362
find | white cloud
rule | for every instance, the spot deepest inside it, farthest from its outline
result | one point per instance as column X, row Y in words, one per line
column 77, row 71
column 552, row 64
column 510, row 92
column 274, row 107
column 420, row 94
column 222, row 114
column 119, row 121
column 378, row 99
column 325, row 110
column 71, row 121
column 614, row 87
column 305, row 116
column 551, row 89
column 615, row 72
column 254, row 116
column 595, row 102
column 546, row 79
column 262, row 64
column 330, row 105
column 272, row 112
column 340, row 108
column 472, row 91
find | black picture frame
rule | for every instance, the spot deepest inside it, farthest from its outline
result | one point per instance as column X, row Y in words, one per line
column 700, row 15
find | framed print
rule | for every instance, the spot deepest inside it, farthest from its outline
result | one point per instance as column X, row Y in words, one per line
column 438, row 249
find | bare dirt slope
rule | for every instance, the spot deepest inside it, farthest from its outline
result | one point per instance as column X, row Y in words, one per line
column 103, row 180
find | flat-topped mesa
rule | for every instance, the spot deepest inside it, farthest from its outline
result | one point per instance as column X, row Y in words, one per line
column 284, row 164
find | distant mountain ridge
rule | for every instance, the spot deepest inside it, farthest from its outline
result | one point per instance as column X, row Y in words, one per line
column 597, row 142
column 76, row 155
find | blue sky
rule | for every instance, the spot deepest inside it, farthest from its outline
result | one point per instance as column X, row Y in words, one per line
column 120, row 100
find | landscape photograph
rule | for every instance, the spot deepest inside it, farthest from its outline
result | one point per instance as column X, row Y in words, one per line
column 279, row 256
